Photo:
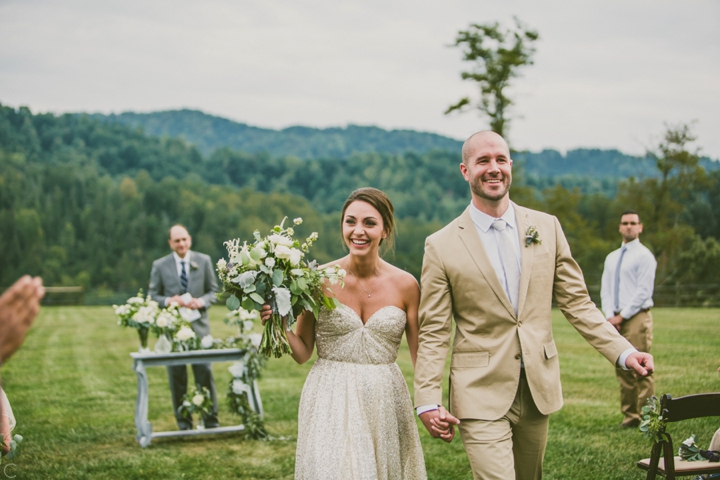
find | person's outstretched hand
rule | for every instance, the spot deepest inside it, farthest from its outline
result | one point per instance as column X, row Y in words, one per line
column 642, row 363
column 18, row 307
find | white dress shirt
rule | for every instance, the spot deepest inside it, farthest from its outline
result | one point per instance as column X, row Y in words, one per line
column 637, row 280
column 178, row 265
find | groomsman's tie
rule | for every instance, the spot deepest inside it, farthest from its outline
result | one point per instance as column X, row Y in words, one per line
column 509, row 261
column 183, row 278
column 617, row 279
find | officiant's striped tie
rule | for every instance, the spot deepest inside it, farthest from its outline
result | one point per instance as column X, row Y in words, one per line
column 183, row 278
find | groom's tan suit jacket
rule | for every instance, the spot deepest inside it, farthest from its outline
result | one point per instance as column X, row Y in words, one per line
column 458, row 281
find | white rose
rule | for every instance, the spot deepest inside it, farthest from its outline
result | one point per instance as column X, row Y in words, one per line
column 689, row 441
column 278, row 239
column 282, row 252
column 295, row 256
column 198, row 399
column 297, row 272
column 255, row 339
column 162, row 321
column 236, row 369
column 207, row 341
column 135, row 300
column 221, row 264
column 270, row 262
column 185, row 333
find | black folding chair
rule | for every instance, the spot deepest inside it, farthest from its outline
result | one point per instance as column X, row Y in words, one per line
column 663, row 459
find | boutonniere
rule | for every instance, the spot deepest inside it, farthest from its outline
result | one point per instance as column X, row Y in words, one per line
column 194, row 266
column 532, row 236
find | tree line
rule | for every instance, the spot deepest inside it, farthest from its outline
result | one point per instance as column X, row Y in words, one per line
column 86, row 202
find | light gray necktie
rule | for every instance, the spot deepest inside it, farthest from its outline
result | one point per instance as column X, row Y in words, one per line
column 617, row 279
column 509, row 261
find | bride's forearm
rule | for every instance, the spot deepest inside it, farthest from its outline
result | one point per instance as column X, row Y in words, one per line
column 300, row 351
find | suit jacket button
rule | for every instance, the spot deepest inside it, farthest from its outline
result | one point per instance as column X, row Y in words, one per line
column 517, row 357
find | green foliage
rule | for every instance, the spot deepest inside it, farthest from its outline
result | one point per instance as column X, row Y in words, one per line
column 496, row 54
column 78, row 207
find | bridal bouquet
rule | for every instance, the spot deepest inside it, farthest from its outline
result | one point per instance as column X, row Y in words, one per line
column 272, row 270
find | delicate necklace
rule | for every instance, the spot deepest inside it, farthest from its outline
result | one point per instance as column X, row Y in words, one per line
column 372, row 289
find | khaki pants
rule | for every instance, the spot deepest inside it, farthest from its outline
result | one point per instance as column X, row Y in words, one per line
column 634, row 392
column 511, row 447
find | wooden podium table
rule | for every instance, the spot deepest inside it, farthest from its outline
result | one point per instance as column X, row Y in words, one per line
column 151, row 359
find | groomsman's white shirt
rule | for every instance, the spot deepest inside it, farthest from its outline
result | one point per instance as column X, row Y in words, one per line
column 637, row 280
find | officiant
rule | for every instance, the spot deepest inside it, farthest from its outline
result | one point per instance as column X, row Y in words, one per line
column 187, row 278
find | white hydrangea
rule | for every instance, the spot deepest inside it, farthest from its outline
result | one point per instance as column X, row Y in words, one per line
column 185, row 333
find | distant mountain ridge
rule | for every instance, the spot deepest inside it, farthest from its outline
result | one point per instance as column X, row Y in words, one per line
column 210, row 133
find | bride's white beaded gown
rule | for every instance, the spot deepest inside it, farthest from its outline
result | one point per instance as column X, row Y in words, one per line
column 356, row 419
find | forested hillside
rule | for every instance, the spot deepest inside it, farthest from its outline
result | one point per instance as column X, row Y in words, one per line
column 209, row 133
column 589, row 169
column 89, row 202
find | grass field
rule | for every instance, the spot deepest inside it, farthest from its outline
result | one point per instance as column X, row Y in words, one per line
column 73, row 392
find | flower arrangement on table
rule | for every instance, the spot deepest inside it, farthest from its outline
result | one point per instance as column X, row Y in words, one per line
column 139, row 313
column 169, row 326
column 272, row 270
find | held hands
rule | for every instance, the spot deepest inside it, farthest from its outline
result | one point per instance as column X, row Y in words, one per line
column 440, row 423
column 641, row 363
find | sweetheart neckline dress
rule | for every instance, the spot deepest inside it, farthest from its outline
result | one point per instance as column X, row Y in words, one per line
column 356, row 419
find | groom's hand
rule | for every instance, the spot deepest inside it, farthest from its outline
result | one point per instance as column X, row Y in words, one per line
column 641, row 363
column 440, row 423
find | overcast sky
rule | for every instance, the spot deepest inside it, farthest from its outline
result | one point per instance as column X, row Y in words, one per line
column 607, row 74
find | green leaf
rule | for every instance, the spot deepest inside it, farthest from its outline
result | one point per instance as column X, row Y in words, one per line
column 256, row 254
column 232, row 303
column 257, row 298
column 248, row 304
column 278, row 277
column 294, row 289
column 249, row 289
column 302, row 283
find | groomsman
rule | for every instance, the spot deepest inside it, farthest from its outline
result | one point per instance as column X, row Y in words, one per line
column 187, row 278
column 627, row 287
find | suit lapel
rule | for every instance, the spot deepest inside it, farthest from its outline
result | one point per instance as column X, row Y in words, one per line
column 522, row 218
column 471, row 240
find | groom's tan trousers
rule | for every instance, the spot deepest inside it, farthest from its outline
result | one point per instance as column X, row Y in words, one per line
column 510, row 447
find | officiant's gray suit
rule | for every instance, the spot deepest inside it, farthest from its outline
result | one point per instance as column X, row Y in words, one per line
column 202, row 283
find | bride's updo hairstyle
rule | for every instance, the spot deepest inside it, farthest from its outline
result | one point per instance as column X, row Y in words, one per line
column 382, row 204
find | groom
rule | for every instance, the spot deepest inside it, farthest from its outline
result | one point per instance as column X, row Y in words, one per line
column 173, row 278
column 496, row 269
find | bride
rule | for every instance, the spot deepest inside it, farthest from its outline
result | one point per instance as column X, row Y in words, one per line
column 355, row 418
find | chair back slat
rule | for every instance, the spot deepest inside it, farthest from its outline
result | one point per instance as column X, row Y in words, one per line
column 690, row 406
